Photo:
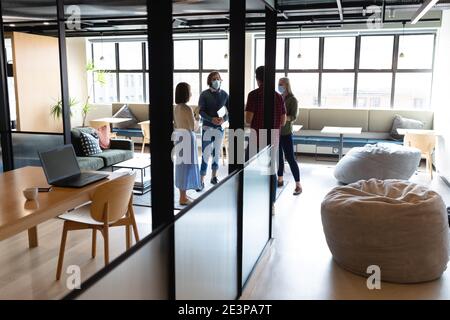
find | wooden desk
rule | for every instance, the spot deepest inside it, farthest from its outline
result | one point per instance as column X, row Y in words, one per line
column 341, row 131
column 17, row 214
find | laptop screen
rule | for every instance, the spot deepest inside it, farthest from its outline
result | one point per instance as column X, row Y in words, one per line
column 59, row 163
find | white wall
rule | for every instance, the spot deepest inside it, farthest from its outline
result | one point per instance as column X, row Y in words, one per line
column 441, row 96
column 76, row 68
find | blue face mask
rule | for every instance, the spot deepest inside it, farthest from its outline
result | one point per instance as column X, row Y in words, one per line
column 281, row 89
column 216, row 84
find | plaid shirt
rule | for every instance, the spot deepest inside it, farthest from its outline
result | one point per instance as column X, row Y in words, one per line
column 255, row 104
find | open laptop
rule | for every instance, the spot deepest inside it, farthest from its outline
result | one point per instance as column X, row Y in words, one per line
column 62, row 170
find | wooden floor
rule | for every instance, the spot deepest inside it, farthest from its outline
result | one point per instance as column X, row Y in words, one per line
column 30, row 274
column 299, row 265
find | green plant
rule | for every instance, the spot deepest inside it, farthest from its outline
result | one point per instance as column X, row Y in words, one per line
column 99, row 76
column 56, row 109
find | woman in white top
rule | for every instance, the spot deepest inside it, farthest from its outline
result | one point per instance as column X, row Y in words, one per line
column 187, row 174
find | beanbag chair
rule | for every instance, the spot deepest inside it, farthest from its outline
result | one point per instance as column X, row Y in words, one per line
column 381, row 161
column 397, row 225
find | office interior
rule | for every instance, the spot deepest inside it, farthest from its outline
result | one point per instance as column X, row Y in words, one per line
column 68, row 66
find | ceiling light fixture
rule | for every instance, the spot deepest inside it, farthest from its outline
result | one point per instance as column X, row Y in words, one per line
column 402, row 55
column 12, row 25
column 426, row 6
column 299, row 55
column 46, row 23
column 102, row 57
column 225, row 56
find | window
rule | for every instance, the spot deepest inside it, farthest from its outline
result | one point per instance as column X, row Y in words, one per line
column 416, row 52
column 130, row 54
column 104, row 55
column 337, row 90
column 305, row 87
column 108, row 92
column 193, row 71
column 372, row 75
column 374, row 90
column 215, row 54
column 131, row 85
column 304, row 53
column 260, row 53
column 339, row 53
column 186, row 54
column 376, row 52
column 412, row 90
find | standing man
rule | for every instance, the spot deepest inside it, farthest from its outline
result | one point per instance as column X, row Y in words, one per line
column 210, row 102
column 254, row 114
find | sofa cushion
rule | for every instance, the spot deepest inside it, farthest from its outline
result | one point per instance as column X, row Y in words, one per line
column 90, row 144
column 381, row 120
column 90, row 163
column 125, row 112
column 76, row 138
column 400, row 122
column 113, row 156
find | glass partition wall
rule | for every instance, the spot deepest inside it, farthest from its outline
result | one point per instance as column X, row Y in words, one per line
column 34, row 83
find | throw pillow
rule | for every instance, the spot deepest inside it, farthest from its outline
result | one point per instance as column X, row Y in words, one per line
column 125, row 112
column 404, row 123
column 89, row 144
column 104, row 136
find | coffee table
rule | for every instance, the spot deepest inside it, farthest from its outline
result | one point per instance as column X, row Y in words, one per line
column 142, row 183
column 341, row 131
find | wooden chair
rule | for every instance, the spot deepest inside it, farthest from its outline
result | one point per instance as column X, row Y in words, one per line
column 110, row 206
column 145, row 127
column 425, row 143
column 96, row 124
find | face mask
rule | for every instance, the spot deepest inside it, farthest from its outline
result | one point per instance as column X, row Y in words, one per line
column 215, row 84
column 281, row 89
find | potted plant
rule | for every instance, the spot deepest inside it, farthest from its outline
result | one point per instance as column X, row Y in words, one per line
column 56, row 109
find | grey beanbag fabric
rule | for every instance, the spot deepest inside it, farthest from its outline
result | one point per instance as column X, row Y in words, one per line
column 382, row 161
column 397, row 225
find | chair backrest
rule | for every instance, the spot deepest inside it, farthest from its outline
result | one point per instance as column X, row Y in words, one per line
column 98, row 124
column 424, row 142
column 115, row 196
column 145, row 127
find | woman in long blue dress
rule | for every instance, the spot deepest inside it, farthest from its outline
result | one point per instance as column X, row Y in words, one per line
column 187, row 174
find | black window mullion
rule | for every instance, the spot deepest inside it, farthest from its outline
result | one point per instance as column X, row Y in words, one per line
column 93, row 75
column 144, row 81
column 116, row 46
column 321, row 49
column 394, row 68
column 357, row 57
column 286, row 56
column 200, row 64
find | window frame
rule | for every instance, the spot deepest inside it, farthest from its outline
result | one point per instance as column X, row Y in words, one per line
column 356, row 70
column 145, row 68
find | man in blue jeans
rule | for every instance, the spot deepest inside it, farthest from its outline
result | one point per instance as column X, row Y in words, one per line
column 210, row 102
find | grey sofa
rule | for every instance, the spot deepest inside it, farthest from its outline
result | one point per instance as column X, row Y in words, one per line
column 375, row 123
column 120, row 150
